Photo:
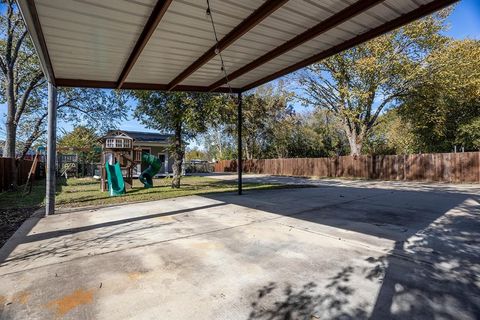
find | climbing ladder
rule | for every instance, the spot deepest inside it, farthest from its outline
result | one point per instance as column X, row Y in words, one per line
column 31, row 174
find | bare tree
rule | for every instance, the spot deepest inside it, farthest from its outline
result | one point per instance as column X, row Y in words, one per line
column 21, row 75
column 358, row 84
column 23, row 88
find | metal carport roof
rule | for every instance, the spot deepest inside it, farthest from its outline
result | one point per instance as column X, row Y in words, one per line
column 169, row 44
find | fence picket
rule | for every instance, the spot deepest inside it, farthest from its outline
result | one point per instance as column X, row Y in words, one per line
column 444, row 167
column 6, row 172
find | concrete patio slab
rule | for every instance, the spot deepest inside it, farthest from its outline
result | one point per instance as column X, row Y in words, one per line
column 338, row 251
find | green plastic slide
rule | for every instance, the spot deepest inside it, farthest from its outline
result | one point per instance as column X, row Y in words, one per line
column 154, row 165
column 116, row 185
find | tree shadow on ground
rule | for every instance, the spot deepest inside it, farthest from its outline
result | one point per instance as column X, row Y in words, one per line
column 110, row 235
column 431, row 272
column 309, row 301
column 435, row 273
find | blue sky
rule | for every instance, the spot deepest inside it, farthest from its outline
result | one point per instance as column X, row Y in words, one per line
column 464, row 23
column 465, row 20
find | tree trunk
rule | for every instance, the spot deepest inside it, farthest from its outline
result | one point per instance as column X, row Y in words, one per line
column 10, row 141
column 11, row 136
column 177, row 158
column 355, row 141
column 37, row 132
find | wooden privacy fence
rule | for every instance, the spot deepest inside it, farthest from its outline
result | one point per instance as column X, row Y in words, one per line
column 6, row 172
column 445, row 167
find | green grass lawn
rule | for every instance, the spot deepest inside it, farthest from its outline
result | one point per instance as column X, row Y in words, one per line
column 86, row 192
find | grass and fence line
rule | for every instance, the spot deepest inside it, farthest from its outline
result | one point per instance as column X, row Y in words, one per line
column 7, row 171
column 442, row 167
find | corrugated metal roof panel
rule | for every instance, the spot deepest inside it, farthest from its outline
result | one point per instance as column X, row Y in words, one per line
column 192, row 36
column 92, row 40
column 102, row 33
column 333, row 37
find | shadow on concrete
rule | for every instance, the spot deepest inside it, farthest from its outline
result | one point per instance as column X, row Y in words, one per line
column 54, row 234
column 117, row 235
column 308, row 301
column 431, row 272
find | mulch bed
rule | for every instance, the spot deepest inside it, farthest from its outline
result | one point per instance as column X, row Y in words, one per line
column 11, row 220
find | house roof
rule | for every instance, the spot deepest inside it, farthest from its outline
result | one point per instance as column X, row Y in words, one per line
column 148, row 136
column 170, row 45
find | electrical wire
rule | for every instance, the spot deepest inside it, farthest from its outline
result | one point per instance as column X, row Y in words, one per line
column 217, row 48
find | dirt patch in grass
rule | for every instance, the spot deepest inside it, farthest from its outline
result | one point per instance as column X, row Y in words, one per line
column 11, row 219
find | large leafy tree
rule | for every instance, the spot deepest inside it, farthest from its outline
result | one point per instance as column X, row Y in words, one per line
column 468, row 134
column 272, row 128
column 392, row 135
column 265, row 111
column 305, row 135
column 93, row 108
column 23, row 90
column 358, row 84
column 444, row 109
column 20, row 72
column 218, row 143
column 183, row 114
column 84, row 141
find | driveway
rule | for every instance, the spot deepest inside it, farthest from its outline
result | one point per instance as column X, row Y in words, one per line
column 341, row 250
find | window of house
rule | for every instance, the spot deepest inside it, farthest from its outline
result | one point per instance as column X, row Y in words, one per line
column 110, row 143
column 118, row 143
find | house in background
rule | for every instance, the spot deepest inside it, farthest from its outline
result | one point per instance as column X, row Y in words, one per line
column 134, row 143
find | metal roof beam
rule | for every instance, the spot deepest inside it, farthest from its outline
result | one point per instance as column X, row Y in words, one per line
column 79, row 83
column 30, row 16
column 246, row 25
column 322, row 27
column 152, row 23
column 421, row 12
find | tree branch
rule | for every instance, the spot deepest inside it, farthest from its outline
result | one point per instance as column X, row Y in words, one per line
column 17, row 47
column 36, row 133
column 78, row 109
column 3, row 66
column 380, row 108
column 23, row 102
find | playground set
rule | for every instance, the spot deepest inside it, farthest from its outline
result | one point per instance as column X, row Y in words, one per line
column 118, row 161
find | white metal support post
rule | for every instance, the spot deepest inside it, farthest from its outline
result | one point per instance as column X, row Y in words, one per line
column 239, row 142
column 51, row 149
